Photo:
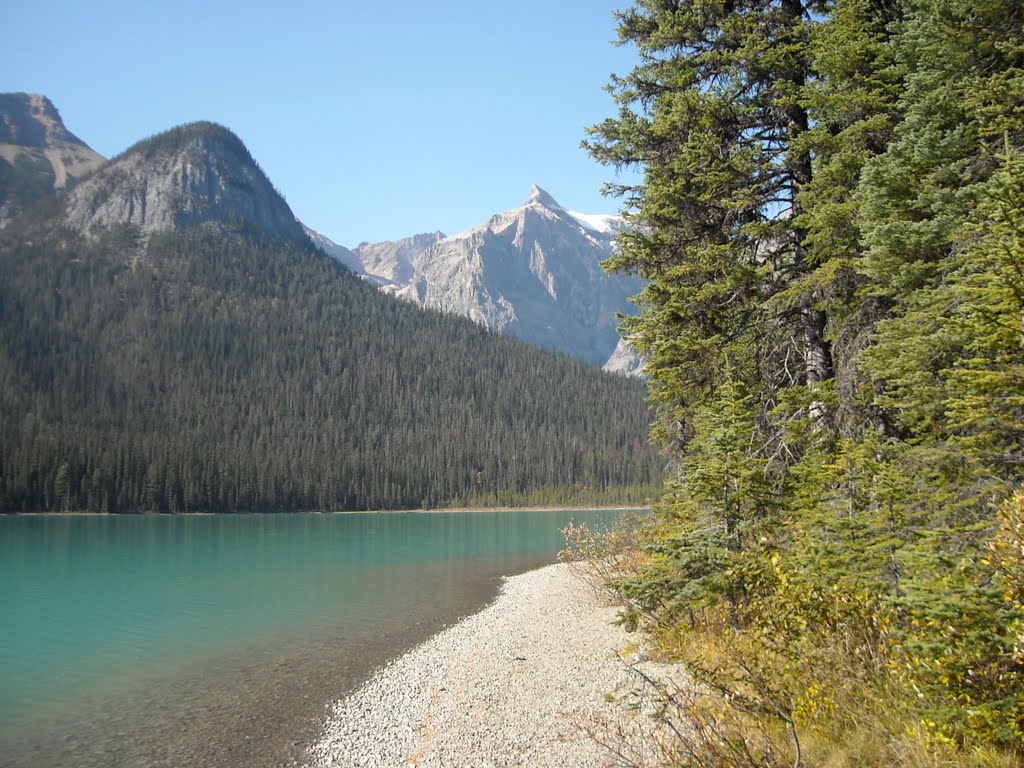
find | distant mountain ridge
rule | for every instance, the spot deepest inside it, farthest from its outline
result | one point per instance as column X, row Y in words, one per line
column 38, row 154
column 532, row 272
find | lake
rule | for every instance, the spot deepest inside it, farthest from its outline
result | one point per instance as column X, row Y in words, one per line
column 221, row 639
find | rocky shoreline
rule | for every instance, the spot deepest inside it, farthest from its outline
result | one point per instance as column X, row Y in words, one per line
column 514, row 685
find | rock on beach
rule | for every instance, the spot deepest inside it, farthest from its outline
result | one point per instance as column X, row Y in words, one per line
column 509, row 686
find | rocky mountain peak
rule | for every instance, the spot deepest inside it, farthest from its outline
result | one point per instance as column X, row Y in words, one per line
column 38, row 154
column 30, row 120
column 539, row 197
column 532, row 272
column 198, row 140
column 194, row 174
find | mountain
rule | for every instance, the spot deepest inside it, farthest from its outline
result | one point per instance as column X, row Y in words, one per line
column 198, row 173
column 171, row 340
column 532, row 272
column 38, row 154
column 624, row 360
column 339, row 253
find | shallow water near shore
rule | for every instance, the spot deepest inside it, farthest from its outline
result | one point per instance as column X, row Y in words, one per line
column 220, row 640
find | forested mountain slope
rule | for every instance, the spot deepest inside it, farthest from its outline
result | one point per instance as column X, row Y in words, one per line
column 209, row 358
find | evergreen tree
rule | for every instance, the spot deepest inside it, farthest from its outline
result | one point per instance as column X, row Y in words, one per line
column 716, row 115
column 830, row 219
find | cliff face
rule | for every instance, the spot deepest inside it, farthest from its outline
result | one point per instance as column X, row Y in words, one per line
column 193, row 174
column 391, row 262
column 38, row 154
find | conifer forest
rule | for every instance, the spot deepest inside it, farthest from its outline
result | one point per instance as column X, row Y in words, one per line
column 216, row 369
column 830, row 214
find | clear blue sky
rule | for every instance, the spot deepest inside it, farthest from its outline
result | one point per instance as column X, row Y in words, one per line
column 375, row 120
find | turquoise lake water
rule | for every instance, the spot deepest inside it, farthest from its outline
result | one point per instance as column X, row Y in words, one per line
column 220, row 639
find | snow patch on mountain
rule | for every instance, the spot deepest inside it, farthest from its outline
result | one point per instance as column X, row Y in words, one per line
column 606, row 224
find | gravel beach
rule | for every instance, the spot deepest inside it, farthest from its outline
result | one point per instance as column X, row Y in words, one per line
column 508, row 686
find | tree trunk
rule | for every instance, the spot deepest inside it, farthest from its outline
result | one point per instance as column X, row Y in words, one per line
column 817, row 355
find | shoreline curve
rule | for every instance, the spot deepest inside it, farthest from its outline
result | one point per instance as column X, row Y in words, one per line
column 511, row 685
